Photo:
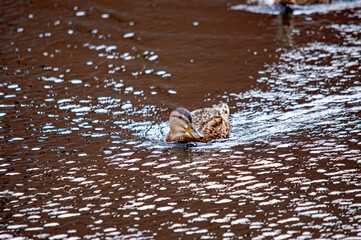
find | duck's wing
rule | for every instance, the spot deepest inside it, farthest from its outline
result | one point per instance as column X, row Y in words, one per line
column 211, row 123
column 201, row 117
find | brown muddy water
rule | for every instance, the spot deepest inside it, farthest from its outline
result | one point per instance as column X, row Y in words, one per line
column 86, row 90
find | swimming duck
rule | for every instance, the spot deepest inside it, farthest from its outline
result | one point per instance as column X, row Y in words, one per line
column 302, row 2
column 201, row 125
column 287, row 6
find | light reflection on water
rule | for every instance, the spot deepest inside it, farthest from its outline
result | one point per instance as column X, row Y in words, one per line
column 278, row 112
column 80, row 165
column 268, row 7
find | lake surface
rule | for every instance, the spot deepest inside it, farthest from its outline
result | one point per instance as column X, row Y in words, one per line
column 86, row 90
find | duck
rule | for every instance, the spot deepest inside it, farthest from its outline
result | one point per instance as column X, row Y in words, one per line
column 287, row 6
column 302, row 2
column 201, row 125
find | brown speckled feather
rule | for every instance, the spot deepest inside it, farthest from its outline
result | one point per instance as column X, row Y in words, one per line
column 212, row 123
column 182, row 139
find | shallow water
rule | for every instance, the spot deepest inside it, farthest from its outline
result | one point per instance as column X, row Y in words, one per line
column 85, row 94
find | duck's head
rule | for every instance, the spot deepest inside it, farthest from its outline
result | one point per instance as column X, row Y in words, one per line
column 181, row 127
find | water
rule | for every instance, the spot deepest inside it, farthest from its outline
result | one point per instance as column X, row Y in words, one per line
column 85, row 94
column 268, row 7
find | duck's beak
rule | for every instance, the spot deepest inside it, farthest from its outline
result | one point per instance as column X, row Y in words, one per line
column 193, row 132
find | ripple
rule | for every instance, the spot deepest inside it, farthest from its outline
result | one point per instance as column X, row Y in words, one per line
column 105, row 15
column 52, row 79
column 16, row 226
column 84, row 141
column 268, row 7
column 129, row 35
column 76, row 81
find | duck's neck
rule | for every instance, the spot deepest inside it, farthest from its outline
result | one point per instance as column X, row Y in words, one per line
column 180, row 138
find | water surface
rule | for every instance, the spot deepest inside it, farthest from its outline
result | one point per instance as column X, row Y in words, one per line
column 85, row 94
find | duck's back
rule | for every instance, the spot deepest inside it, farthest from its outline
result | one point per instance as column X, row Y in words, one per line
column 212, row 123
